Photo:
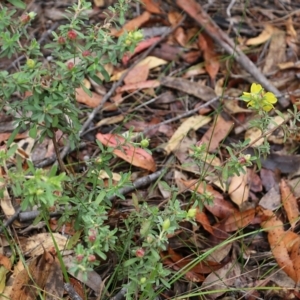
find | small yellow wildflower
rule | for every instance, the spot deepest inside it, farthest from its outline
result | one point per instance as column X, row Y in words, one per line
column 258, row 99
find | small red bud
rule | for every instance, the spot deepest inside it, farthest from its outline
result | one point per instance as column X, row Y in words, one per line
column 86, row 53
column 91, row 258
column 25, row 19
column 61, row 40
column 72, row 35
column 92, row 238
column 79, row 257
column 70, row 65
column 140, row 252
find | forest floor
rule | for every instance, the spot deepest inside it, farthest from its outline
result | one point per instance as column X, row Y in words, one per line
column 181, row 93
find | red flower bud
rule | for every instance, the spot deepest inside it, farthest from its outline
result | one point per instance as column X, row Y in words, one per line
column 70, row 65
column 25, row 19
column 72, row 35
column 79, row 257
column 61, row 40
column 91, row 258
column 86, row 53
column 92, row 238
column 140, row 252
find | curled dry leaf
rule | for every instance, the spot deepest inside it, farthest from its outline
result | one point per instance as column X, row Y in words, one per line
column 29, row 282
column 262, row 37
column 276, row 234
column 289, row 202
column 133, row 155
column 239, row 188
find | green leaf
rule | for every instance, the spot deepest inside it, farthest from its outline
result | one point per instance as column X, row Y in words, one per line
column 12, row 150
column 87, row 91
column 130, row 261
column 33, row 131
column 96, row 79
column 18, row 3
column 12, row 136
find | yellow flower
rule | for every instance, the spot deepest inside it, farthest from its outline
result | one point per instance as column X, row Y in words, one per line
column 258, row 99
column 268, row 100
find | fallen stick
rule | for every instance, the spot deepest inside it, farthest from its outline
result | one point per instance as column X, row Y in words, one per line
column 195, row 11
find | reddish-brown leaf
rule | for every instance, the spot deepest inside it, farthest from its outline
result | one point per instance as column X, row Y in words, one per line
column 5, row 262
column 133, row 155
column 135, row 23
column 238, row 220
column 152, row 6
column 289, row 202
column 216, row 133
column 211, row 60
column 140, row 85
column 275, row 237
column 201, row 217
column 139, row 48
column 219, row 206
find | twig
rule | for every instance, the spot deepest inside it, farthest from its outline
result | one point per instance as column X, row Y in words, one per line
column 72, row 293
column 211, row 28
column 9, row 221
column 31, row 215
column 56, row 149
column 120, row 295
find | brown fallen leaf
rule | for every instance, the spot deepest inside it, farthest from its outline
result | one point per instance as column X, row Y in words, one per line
column 219, row 280
column 202, row 218
column 216, row 133
column 133, row 155
column 212, row 65
column 32, row 280
column 238, row 220
column 134, row 23
column 276, row 232
column 137, row 74
column 192, row 88
column 5, row 262
column 238, row 189
column 139, row 85
column 219, row 206
column 191, row 123
column 289, row 202
column 152, row 6
column 262, row 37
column 277, row 51
column 90, row 101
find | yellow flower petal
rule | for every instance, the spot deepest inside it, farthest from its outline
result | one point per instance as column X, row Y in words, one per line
column 251, row 103
column 256, row 88
column 267, row 107
column 270, row 97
